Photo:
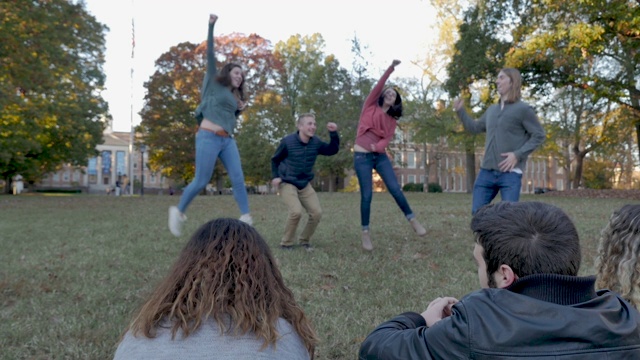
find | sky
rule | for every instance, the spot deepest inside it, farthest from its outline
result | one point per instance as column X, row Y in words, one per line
column 400, row 29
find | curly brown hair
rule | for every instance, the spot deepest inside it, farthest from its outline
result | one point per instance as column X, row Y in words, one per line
column 225, row 271
column 618, row 260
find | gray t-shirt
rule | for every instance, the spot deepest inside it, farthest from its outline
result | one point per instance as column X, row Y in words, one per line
column 208, row 343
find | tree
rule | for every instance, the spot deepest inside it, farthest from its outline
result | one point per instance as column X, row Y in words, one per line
column 602, row 35
column 589, row 124
column 51, row 57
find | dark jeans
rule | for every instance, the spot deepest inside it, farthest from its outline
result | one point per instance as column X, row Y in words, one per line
column 489, row 182
column 364, row 164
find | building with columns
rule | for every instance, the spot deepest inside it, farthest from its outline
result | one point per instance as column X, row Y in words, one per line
column 115, row 161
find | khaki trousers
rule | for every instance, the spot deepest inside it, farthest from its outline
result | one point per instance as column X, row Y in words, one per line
column 296, row 200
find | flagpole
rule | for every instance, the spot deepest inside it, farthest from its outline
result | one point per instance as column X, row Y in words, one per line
column 133, row 45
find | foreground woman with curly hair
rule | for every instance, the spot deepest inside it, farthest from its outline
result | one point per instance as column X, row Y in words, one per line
column 224, row 298
column 618, row 261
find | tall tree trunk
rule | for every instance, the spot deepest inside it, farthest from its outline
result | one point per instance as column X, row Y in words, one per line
column 425, row 167
column 567, row 166
column 471, row 169
column 7, row 184
column 577, row 177
column 638, row 132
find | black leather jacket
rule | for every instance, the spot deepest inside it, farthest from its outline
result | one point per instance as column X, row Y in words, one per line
column 538, row 317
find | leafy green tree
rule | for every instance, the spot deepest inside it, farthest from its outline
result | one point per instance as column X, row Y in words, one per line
column 591, row 45
column 51, row 57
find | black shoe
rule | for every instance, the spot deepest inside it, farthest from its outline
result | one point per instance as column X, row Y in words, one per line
column 286, row 247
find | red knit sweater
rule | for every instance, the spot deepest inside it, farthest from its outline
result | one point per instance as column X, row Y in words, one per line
column 376, row 127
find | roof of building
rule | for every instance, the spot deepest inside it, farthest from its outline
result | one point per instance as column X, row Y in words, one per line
column 116, row 138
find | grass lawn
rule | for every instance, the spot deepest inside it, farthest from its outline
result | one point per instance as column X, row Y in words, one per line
column 73, row 268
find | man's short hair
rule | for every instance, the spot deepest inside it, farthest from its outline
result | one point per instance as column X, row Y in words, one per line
column 304, row 115
column 530, row 237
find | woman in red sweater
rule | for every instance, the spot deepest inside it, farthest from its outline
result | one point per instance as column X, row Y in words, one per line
column 376, row 128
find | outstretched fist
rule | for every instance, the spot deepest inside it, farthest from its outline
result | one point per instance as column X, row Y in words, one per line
column 332, row 126
column 213, row 18
column 395, row 63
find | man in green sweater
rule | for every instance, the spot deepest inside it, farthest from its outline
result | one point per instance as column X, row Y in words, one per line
column 513, row 132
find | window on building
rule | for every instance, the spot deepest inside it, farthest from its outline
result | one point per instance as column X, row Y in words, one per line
column 411, row 160
column 56, row 176
column 76, row 175
column 105, row 180
column 153, row 178
column 66, row 176
column 412, row 179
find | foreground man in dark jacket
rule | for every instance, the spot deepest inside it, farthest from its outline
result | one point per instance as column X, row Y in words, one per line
column 532, row 304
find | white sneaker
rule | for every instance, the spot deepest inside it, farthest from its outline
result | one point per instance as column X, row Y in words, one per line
column 176, row 220
column 246, row 218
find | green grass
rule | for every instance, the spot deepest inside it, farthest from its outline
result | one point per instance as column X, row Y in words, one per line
column 73, row 268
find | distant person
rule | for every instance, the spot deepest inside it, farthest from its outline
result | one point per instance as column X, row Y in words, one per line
column 376, row 128
column 18, row 185
column 222, row 101
column 513, row 132
column 532, row 304
column 125, row 184
column 224, row 298
column 292, row 172
column 618, row 261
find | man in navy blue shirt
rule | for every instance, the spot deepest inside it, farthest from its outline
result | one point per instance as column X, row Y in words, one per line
column 292, row 172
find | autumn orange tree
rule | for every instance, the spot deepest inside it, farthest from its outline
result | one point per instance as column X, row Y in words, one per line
column 51, row 57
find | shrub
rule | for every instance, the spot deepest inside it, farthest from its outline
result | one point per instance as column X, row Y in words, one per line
column 413, row 187
column 434, row 188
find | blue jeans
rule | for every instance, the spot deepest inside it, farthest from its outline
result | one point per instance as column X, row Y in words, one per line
column 364, row 164
column 209, row 147
column 489, row 182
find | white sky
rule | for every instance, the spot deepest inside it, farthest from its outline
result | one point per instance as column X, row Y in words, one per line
column 399, row 29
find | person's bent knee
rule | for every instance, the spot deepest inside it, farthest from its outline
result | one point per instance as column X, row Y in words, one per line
column 317, row 214
column 295, row 215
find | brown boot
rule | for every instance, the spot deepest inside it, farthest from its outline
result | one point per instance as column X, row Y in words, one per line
column 419, row 229
column 366, row 241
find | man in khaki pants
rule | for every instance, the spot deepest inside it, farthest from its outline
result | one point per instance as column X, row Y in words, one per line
column 292, row 171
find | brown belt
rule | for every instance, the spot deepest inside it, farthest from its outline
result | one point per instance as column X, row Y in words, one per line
column 219, row 132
